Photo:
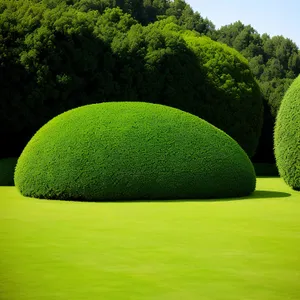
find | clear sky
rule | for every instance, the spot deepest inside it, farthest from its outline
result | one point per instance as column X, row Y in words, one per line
column 274, row 17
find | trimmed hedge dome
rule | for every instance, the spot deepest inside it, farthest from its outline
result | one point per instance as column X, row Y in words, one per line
column 131, row 151
column 287, row 136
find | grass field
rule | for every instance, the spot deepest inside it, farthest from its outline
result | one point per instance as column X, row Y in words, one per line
column 244, row 249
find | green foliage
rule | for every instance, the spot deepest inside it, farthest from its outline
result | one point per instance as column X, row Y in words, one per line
column 146, row 11
column 165, row 64
column 274, row 91
column 155, row 65
column 113, row 22
column 88, row 5
column 287, row 136
column 270, row 58
column 187, row 18
column 58, row 55
column 132, row 150
column 17, row 19
column 275, row 62
column 256, row 65
column 233, row 93
column 7, row 169
column 62, row 60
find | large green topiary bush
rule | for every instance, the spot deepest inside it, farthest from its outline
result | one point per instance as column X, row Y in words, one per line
column 7, row 169
column 132, row 150
column 287, row 136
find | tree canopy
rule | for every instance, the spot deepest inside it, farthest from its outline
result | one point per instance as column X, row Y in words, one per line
column 275, row 63
column 60, row 54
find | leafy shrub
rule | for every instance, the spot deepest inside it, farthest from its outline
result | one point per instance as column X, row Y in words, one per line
column 132, row 150
column 287, row 136
column 232, row 96
column 7, row 169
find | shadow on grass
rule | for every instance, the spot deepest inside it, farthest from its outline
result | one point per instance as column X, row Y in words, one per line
column 268, row 194
column 258, row 194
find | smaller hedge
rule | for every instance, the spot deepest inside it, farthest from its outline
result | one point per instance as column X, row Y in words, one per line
column 287, row 136
column 132, row 151
column 7, row 169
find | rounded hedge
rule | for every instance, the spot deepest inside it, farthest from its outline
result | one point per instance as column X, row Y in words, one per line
column 287, row 136
column 131, row 151
column 232, row 92
column 7, row 169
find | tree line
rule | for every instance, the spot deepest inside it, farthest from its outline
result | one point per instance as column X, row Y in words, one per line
column 56, row 55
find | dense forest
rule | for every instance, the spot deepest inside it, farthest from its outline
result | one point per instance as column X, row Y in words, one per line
column 56, row 55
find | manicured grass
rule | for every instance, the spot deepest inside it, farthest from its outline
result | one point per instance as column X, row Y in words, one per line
column 208, row 250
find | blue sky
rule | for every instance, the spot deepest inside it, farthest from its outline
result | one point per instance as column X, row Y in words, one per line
column 274, row 17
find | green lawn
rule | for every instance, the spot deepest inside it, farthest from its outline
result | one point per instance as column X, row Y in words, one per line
column 239, row 249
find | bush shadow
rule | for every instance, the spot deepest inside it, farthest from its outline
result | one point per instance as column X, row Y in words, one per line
column 269, row 194
column 258, row 194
